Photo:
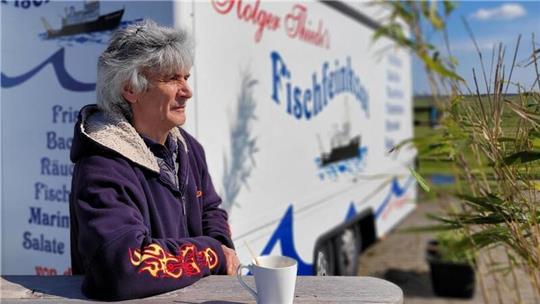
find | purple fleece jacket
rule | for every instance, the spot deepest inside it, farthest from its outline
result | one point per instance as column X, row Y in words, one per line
column 133, row 233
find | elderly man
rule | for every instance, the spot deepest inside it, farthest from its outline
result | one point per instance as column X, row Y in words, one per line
column 145, row 217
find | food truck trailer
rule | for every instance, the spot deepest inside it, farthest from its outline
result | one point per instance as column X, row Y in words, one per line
column 296, row 105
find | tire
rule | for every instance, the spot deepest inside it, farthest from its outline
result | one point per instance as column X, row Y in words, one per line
column 324, row 260
column 347, row 248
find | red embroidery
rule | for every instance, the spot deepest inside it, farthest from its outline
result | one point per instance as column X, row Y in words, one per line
column 161, row 264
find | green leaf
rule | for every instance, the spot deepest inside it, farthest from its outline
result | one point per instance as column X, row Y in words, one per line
column 437, row 67
column 428, row 229
column 535, row 143
column 394, row 32
column 434, row 16
column 442, row 150
column 449, row 6
column 453, row 61
column 401, row 145
column 444, row 220
column 425, row 8
column 490, row 219
column 457, row 131
column 421, row 181
column 522, row 157
column 490, row 202
column 507, row 139
column 531, row 116
column 455, row 246
column 491, row 235
column 403, row 13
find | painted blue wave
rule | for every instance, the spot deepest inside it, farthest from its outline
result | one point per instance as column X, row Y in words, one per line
column 76, row 39
column 351, row 213
column 395, row 190
column 284, row 233
column 57, row 60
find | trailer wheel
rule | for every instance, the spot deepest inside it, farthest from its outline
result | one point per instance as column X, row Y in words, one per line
column 324, row 260
column 347, row 245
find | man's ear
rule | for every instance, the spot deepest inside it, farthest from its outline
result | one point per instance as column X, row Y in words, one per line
column 129, row 94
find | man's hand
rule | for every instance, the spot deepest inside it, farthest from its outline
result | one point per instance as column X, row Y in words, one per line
column 231, row 259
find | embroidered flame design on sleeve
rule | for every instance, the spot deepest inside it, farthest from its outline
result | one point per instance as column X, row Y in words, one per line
column 162, row 264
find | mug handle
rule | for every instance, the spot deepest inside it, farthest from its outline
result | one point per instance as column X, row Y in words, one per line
column 246, row 286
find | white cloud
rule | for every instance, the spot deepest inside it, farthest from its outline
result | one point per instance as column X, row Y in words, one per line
column 485, row 43
column 507, row 11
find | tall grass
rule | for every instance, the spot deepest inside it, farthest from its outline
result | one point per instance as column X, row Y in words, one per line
column 491, row 141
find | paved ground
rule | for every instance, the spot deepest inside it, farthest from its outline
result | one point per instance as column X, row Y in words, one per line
column 400, row 258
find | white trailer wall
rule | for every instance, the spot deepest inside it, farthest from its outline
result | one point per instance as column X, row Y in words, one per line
column 281, row 170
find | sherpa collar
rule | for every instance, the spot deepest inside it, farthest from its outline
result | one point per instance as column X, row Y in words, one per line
column 114, row 131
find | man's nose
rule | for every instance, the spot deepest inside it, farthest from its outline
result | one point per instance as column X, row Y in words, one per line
column 185, row 91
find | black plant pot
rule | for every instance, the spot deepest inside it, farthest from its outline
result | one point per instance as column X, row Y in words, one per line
column 456, row 280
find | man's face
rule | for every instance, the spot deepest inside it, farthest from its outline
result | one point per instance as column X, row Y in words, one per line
column 162, row 106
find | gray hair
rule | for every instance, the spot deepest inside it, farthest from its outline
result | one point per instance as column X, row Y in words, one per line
column 135, row 52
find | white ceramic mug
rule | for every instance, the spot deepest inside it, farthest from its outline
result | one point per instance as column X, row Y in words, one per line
column 275, row 279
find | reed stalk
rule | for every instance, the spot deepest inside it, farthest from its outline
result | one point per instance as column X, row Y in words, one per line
column 493, row 141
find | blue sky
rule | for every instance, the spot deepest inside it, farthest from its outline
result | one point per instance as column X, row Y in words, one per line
column 492, row 22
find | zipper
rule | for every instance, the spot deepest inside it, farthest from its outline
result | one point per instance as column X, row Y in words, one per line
column 183, row 198
column 183, row 205
column 184, row 184
column 184, row 220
